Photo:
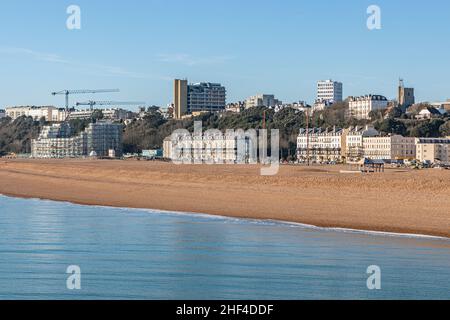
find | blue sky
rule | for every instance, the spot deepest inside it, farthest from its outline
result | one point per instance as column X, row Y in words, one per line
column 281, row 47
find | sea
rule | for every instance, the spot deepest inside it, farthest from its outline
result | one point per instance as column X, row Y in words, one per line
column 57, row 250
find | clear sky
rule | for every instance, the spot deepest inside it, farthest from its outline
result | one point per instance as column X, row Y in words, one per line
column 250, row 46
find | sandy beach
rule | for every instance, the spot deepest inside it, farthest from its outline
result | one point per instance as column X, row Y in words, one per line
column 400, row 201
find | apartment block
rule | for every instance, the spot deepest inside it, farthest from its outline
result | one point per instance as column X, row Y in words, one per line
column 262, row 100
column 329, row 90
column 198, row 97
column 58, row 141
column 353, row 144
column 360, row 107
column 433, row 150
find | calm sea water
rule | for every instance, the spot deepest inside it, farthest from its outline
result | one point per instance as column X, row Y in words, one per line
column 138, row 254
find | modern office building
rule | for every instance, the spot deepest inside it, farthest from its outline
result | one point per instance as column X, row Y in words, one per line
column 99, row 139
column 329, row 90
column 360, row 107
column 262, row 100
column 198, row 97
column 405, row 96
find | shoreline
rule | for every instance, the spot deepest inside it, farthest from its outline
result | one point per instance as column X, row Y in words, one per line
column 318, row 196
column 273, row 221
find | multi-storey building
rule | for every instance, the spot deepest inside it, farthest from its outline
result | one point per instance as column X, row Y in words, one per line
column 393, row 147
column 31, row 111
column 433, row 150
column 214, row 148
column 57, row 141
column 113, row 114
column 318, row 145
column 329, row 90
column 262, row 100
column 198, row 97
column 353, row 144
column 360, row 107
column 2, row 113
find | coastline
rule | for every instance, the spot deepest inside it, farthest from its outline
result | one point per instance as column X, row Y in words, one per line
column 270, row 221
column 239, row 192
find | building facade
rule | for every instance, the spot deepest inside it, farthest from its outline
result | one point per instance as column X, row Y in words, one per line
column 329, row 90
column 394, row 147
column 198, row 97
column 353, row 143
column 2, row 113
column 433, row 150
column 360, row 107
column 318, row 145
column 262, row 100
column 211, row 147
column 57, row 141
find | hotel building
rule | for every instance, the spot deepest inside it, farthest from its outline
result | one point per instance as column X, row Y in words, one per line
column 319, row 145
column 360, row 107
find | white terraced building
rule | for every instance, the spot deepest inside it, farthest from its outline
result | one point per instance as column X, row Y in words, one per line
column 49, row 113
column 360, row 107
column 320, row 145
column 393, row 147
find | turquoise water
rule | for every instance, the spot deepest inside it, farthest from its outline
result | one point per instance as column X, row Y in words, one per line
column 139, row 254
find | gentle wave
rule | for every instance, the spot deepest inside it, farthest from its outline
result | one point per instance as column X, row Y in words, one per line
column 271, row 222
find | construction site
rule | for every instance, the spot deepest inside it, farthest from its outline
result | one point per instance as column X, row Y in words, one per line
column 100, row 139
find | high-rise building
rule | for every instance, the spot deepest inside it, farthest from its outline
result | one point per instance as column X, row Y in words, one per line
column 180, row 98
column 405, row 96
column 329, row 90
column 262, row 100
column 198, row 97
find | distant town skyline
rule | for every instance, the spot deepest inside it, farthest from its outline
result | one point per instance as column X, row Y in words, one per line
column 250, row 48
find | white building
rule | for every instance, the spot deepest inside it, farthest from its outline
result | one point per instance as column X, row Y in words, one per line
column 393, row 147
column 360, row 107
column 329, row 90
column 433, row 150
column 262, row 100
column 319, row 145
column 354, row 141
column 32, row 111
column 2, row 113
column 108, row 114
